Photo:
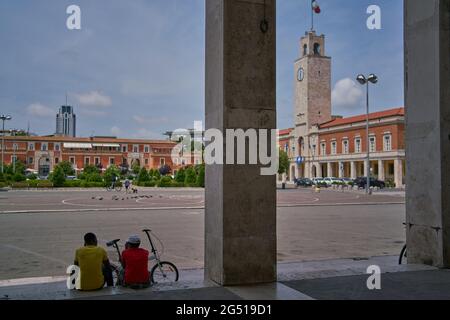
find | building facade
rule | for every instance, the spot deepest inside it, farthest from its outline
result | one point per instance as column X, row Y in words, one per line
column 323, row 145
column 66, row 122
column 42, row 154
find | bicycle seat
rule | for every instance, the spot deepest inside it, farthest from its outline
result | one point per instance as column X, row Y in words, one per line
column 112, row 242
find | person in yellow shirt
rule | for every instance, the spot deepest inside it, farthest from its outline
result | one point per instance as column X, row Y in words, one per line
column 94, row 265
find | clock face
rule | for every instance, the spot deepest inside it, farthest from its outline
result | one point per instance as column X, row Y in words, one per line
column 300, row 74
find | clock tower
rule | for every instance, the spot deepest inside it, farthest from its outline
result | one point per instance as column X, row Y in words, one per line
column 312, row 98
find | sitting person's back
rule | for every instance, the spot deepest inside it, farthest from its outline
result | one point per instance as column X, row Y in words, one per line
column 135, row 262
column 93, row 263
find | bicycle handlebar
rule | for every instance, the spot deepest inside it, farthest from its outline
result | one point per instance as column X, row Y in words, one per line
column 112, row 243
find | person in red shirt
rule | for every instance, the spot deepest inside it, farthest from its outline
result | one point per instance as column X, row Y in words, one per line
column 135, row 263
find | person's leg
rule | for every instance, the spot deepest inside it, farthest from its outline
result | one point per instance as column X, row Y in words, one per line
column 107, row 273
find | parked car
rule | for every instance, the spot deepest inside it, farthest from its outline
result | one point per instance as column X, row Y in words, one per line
column 348, row 181
column 331, row 180
column 71, row 178
column 361, row 182
column 304, row 182
column 319, row 182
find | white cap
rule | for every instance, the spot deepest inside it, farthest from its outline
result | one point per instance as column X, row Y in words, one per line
column 134, row 239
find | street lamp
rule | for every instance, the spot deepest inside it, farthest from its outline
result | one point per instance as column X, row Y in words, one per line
column 4, row 118
column 366, row 81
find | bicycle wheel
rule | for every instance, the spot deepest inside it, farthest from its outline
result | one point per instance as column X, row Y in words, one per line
column 403, row 255
column 117, row 279
column 164, row 272
column 118, row 189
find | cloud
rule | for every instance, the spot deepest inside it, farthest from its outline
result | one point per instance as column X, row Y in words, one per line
column 148, row 120
column 347, row 94
column 39, row 110
column 93, row 99
column 116, row 131
column 143, row 133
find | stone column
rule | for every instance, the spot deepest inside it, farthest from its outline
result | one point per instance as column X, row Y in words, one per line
column 341, row 169
column 365, row 169
column 353, row 173
column 329, row 169
column 427, row 52
column 240, row 203
column 319, row 170
column 398, row 173
column 381, row 174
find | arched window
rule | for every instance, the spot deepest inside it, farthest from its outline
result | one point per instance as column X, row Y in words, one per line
column 305, row 49
column 317, row 48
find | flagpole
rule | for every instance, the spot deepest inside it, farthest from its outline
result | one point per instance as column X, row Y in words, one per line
column 312, row 19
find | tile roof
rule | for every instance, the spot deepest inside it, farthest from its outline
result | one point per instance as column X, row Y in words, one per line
column 361, row 118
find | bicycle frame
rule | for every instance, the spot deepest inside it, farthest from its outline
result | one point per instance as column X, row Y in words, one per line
column 153, row 250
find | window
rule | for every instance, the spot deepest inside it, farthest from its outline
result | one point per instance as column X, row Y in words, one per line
column 30, row 160
column 57, row 147
column 72, row 160
column 15, row 147
column 387, row 144
column 31, row 146
column 136, row 148
column 87, row 161
column 373, row 145
column 345, row 147
column 317, row 48
column 44, row 146
column 97, row 161
column 162, row 161
column 125, row 148
column 56, row 160
column 146, row 149
column 305, row 49
column 111, row 161
column 146, row 162
column 358, row 145
column 13, row 159
column 333, row 147
column 323, row 149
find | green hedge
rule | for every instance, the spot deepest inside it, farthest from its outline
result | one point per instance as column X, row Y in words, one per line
column 147, row 183
column 3, row 185
column 19, row 185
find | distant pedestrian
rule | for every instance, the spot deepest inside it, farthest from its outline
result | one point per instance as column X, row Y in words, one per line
column 127, row 185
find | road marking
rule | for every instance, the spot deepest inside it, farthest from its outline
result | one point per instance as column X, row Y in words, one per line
column 36, row 254
column 28, row 281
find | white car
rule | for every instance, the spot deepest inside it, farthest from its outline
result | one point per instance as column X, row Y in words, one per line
column 331, row 180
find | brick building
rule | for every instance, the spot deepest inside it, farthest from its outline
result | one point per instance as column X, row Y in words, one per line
column 323, row 145
column 41, row 154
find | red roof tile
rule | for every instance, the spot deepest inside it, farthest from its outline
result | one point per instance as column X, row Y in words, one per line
column 361, row 118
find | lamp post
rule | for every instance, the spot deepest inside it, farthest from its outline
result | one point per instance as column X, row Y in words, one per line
column 4, row 118
column 366, row 81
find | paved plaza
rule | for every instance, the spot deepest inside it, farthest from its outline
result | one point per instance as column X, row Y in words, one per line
column 40, row 230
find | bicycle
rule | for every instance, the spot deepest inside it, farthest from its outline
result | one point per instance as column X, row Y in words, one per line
column 115, row 187
column 403, row 253
column 161, row 272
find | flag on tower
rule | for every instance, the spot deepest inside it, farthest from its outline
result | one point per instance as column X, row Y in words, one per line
column 315, row 6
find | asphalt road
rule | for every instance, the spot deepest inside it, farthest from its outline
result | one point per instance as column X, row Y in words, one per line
column 39, row 231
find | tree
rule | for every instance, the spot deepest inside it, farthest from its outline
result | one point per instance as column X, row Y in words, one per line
column 201, row 176
column 136, row 168
column 180, row 176
column 143, row 175
column 283, row 162
column 190, row 176
column 110, row 172
column 58, row 177
column 67, row 168
column 90, row 169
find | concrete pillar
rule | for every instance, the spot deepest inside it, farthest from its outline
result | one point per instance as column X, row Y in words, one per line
column 427, row 52
column 398, row 173
column 319, row 170
column 329, row 169
column 353, row 172
column 381, row 173
column 240, row 203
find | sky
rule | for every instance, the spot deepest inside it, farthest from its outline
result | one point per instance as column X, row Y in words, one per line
column 136, row 68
